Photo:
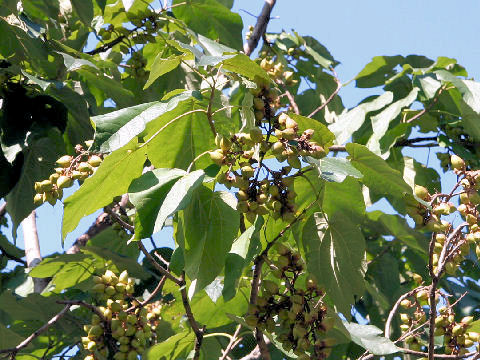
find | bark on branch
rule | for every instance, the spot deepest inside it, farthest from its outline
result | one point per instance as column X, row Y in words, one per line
column 260, row 27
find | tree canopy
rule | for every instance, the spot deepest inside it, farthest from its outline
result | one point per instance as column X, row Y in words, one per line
column 165, row 119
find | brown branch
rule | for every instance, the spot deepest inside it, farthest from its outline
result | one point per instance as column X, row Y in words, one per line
column 159, row 267
column 36, row 333
column 290, row 97
column 101, row 223
column 395, row 308
column 254, row 354
column 155, row 291
column 12, row 257
column 209, row 111
column 107, row 46
column 260, row 27
column 429, row 106
column 233, row 342
column 191, row 319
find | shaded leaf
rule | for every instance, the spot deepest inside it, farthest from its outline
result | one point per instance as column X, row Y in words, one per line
column 209, row 225
column 172, row 348
column 334, row 250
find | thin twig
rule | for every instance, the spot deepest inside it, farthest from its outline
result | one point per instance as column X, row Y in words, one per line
column 260, row 27
column 233, row 342
column 290, row 97
column 330, row 98
column 155, row 291
column 157, row 266
column 36, row 333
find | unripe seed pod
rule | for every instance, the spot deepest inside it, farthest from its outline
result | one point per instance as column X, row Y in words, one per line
column 110, row 290
column 95, row 331
column 422, row 295
column 270, row 287
column 123, row 277
column 131, row 319
column 242, row 195
column 120, row 356
column 38, row 199
column 95, row 160
column 457, row 162
column 108, row 314
column 217, row 156
column 65, row 161
column 85, row 167
column 251, row 320
column 256, row 134
column 258, row 104
column 457, row 330
column 405, row 318
column 289, row 134
column 282, row 249
column 467, row 320
column 64, row 182
column 247, row 171
column 471, row 219
column 53, row 178
column 291, row 124
column 421, row 192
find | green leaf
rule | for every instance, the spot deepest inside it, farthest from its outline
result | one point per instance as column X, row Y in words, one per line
column 350, row 121
column 243, row 65
column 318, row 52
column 240, row 255
column 178, row 197
column 189, row 126
column 398, row 227
column 66, row 270
column 173, row 348
column 470, row 102
column 381, row 121
column 8, row 338
column 334, row 250
column 380, row 69
column 147, row 194
column 346, row 198
column 111, row 179
column 161, row 66
column 335, row 169
column 322, row 135
column 73, row 64
column 8, row 248
column 377, row 175
column 208, row 227
column 222, row 24
column 84, row 10
column 115, row 129
column 369, row 337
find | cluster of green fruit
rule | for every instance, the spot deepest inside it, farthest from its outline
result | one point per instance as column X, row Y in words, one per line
column 275, row 192
column 127, row 326
column 295, row 313
column 424, row 218
column 277, row 72
column 69, row 169
column 457, row 339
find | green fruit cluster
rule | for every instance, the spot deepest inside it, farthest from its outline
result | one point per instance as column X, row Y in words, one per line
column 128, row 327
column 295, row 313
column 69, row 169
column 456, row 337
column 277, row 72
column 273, row 194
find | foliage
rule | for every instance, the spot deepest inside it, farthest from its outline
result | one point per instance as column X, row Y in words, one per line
column 263, row 174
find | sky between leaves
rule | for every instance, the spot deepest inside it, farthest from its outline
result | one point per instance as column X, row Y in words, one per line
column 354, row 31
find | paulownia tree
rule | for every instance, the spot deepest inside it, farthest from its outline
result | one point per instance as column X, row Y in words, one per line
column 165, row 120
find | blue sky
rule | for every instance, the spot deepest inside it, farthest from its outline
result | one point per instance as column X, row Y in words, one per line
column 354, row 31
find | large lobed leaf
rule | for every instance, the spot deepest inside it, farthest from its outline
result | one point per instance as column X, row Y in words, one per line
column 206, row 230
